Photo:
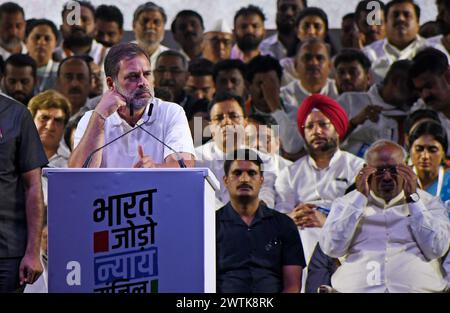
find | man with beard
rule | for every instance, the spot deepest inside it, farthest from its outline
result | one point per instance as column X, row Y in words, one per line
column 12, row 29
column 352, row 71
column 269, row 256
column 148, row 27
column 78, row 37
column 402, row 42
column 442, row 42
column 187, row 30
column 130, row 83
column 248, row 31
column 283, row 43
column 430, row 76
column 313, row 66
column 391, row 233
column 74, row 81
column 380, row 112
column 19, row 80
column 171, row 71
column 370, row 29
column 109, row 25
column 306, row 189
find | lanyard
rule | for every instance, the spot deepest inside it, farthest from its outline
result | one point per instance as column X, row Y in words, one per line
column 47, row 72
column 440, row 180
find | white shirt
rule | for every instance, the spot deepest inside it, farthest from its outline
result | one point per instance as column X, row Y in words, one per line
column 436, row 42
column 58, row 160
column 289, row 71
column 304, row 182
column 393, row 247
column 293, row 95
column 365, row 134
column 167, row 122
column 273, row 47
column 382, row 54
column 209, row 155
column 97, row 52
column 5, row 53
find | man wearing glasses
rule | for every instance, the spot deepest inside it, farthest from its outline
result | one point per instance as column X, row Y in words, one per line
column 388, row 234
column 227, row 128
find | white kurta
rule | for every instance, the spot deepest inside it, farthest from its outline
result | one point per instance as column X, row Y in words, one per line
column 273, row 47
column 392, row 247
column 292, row 96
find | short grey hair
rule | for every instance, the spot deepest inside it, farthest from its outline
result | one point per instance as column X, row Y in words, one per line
column 118, row 53
column 149, row 6
column 384, row 142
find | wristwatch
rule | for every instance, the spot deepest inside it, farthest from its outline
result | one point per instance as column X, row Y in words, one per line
column 414, row 197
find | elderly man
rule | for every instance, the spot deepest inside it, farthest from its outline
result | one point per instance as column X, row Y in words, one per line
column 218, row 42
column 388, row 234
column 402, row 42
column 268, row 256
column 148, row 27
column 130, row 105
column 12, row 29
column 187, row 30
column 430, row 76
column 306, row 189
column 313, row 65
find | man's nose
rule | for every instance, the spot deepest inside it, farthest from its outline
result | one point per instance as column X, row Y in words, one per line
column 18, row 86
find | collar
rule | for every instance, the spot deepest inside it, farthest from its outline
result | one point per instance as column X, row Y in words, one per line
column 116, row 120
column 324, row 91
column 392, row 50
column 335, row 158
column 382, row 203
column 230, row 214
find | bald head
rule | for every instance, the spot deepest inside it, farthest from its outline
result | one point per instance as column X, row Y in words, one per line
column 385, row 151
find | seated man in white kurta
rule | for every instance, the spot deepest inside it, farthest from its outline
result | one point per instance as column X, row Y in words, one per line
column 306, row 189
column 388, row 234
column 130, row 83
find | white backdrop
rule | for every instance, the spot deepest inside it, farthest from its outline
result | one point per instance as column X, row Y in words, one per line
column 209, row 9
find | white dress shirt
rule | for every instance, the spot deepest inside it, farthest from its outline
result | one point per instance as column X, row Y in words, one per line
column 97, row 52
column 273, row 47
column 167, row 122
column 436, row 42
column 211, row 156
column 382, row 54
column 156, row 54
column 292, row 96
column 365, row 134
column 387, row 247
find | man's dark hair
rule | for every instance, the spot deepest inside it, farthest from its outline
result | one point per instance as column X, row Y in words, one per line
column 74, row 57
column 263, row 64
column 395, row 2
column 109, row 13
column 10, row 8
column 349, row 55
column 432, row 128
column 174, row 53
column 362, row 7
column 21, row 60
column 33, row 23
column 413, row 117
column 186, row 13
column 260, row 119
column 249, row 10
column 429, row 60
column 86, row 4
column 305, row 3
column 200, row 105
column 349, row 16
column 314, row 41
column 241, row 155
column 313, row 11
column 201, row 67
column 149, row 6
column 398, row 69
column 225, row 96
column 227, row 65
column 119, row 52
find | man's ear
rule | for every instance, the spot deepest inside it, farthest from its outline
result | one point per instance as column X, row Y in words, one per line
column 110, row 83
column 225, row 180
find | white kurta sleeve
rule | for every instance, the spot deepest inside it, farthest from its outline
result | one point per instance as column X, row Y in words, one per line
column 290, row 137
column 340, row 226
column 285, row 195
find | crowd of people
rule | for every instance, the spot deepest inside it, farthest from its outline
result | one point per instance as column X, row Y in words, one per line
column 333, row 155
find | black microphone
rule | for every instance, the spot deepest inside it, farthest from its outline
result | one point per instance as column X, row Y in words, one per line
column 89, row 158
column 180, row 160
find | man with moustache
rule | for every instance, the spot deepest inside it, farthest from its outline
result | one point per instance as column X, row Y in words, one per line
column 109, row 25
column 374, row 28
column 388, row 235
column 248, row 31
column 306, row 189
column 78, row 37
column 352, row 71
column 218, row 41
column 187, row 30
column 12, row 29
column 19, row 80
column 268, row 256
column 130, row 83
column 283, row 43
column 402, row 42
column 430, row 76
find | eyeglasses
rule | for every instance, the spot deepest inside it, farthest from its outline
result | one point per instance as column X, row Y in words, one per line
column 232, row 116
column 382, row 170
column 322, row 125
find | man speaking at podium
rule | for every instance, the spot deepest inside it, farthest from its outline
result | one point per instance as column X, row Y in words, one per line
column 163, row 138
